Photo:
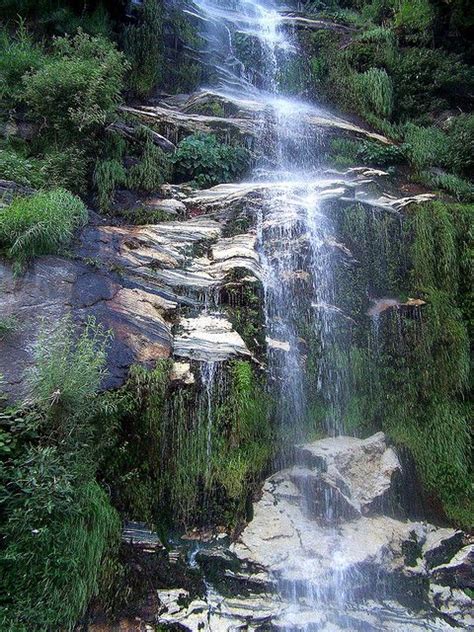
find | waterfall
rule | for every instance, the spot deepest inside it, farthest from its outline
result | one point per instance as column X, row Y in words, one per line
column 294, row 237
column 294, row 234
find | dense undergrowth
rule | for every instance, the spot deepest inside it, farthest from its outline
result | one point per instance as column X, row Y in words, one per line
column 406, row 68
column 410, row 365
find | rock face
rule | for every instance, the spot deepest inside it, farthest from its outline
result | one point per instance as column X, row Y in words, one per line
column 300, row 564
column 134, row 280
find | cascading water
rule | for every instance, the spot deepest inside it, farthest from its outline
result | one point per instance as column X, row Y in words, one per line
column 294, row 235
column 248, row 50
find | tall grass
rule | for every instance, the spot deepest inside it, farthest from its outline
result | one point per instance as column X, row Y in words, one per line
column 41, row 224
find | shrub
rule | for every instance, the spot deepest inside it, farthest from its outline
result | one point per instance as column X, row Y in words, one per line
column 108, row 174
column 428, row 79
column 375, row 91
column 143, row 45
column 25, row 171
column 56, row 521
column 59, row 526
column 68, row 372
column 67, row 168
column 426, row 146
column 41, row 224
column 461, row 141
column 8, row 324
column 17, row 57
column 415, row 19
column 77, row 88
column 461, row 189
column 152, row 170
column 204, row 160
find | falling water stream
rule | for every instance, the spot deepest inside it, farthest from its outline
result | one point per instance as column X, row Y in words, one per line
column 296, row 245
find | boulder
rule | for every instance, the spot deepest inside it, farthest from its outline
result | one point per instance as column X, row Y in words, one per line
column 366, row 469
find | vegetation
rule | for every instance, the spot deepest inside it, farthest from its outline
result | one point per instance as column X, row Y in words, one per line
column 412, row 378
column 41, row 224
column 57, row 522
column 201, row 158
column 403, row 73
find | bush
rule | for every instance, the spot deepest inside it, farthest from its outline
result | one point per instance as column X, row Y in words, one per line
column 461, row 141
column 427, row 80
column 56, row 521
column 461, row 189
column 16, row 167
column 59, row 525
column 41, row 224
column 415, row 18
column 143, row 45
column 426, row 146
column 68, row 372
column 77, row 88
column 375, row 91
column 108, row 174
column 17, row 57
column 66, row 168
column 203, row 159
column 152, row 170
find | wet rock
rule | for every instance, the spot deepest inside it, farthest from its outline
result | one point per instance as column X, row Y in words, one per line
column 169, row 207
column 325, row 498
column 208, row 338
column 454, row 603
column 458, row 572
column 181, row 373
column 366, row 468
column 441, row 545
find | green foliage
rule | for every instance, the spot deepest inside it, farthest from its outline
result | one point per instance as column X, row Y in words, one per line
column 41, row 224
column 143, row 45
column 426, row 146
column 17, row 56
column 347, row 153
column 202, row 159
column 244, row 444
column 427, row 80
column 16, row 167
column 58, row 529
column 152, row 170
column 461, row 143
column 376, row 91
column 67, row 168
column 56, row 522
column 461, row 189
column 68, row 372
column 134, row 461
column 409, row 373
column 108, row 174
column 77, row 88
column 415, row 18
column 8, row 325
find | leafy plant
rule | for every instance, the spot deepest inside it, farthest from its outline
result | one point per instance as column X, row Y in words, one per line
column 108, row 174
column 204, row 160
column 16, row 167
column 18, row 55
column 375, row 90
column 143, row 45
column 152, row 169
column 67, row 372
column 41, row 224
column 77, row 88
column 8, row 324
column 67, row 168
